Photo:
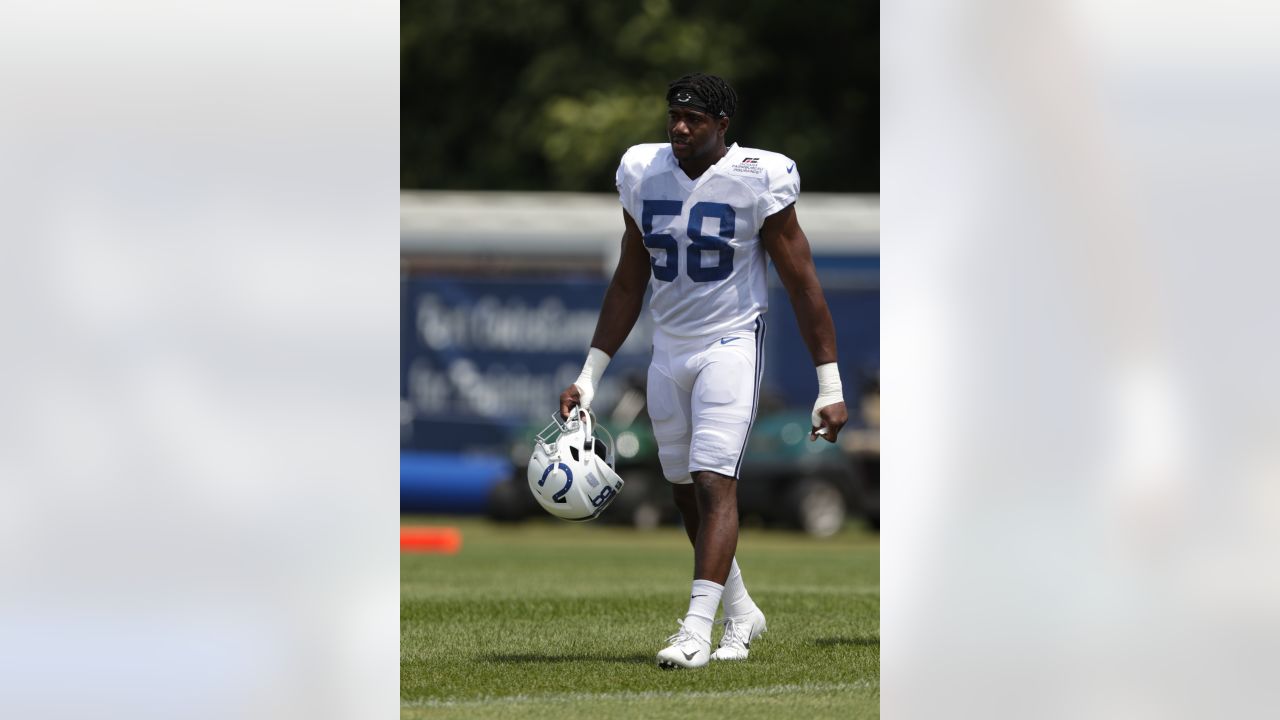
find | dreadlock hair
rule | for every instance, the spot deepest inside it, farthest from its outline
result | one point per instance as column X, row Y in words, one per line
column 704, row 93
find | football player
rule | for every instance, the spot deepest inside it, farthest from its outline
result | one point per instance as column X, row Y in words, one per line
column 701, row 220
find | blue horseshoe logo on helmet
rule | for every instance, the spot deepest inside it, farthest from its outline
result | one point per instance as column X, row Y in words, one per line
column 568, row 483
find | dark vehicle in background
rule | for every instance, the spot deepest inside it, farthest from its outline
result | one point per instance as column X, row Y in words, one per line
column 786, row 481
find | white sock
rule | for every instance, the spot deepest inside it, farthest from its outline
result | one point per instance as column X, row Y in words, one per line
column 703, row 601
column 736, row 600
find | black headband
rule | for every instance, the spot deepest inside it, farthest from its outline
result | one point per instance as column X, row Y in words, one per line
column 705, row 93
column 691, row 98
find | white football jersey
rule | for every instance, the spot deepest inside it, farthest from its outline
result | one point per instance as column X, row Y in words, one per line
column 708, row 265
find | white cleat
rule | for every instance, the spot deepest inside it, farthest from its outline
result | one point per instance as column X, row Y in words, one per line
column 685, row 649
column 735, row 644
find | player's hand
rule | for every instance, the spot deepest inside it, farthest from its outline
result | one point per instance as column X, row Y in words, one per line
column 832, row 418
column 570, row 398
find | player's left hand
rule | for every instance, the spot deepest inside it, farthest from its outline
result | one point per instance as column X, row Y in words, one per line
column 832, row 418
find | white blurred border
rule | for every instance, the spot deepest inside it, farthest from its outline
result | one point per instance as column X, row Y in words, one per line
column 199, row 504
column 1079, row 420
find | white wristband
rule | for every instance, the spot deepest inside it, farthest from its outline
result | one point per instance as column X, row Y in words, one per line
column 830, row 391
column 592, row 369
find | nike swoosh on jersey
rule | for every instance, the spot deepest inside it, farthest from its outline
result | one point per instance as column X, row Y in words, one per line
column 726, row 341
column 793, row 167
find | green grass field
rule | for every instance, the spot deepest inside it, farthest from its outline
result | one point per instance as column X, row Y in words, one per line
column 556, row 620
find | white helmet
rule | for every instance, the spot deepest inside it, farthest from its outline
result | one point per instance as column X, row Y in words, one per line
column 571, row 472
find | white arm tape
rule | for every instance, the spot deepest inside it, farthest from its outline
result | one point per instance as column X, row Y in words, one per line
column 597, row 361
column 830, row 391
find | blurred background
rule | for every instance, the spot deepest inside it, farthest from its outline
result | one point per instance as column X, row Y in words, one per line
column 1078, row 297
column 513, row 117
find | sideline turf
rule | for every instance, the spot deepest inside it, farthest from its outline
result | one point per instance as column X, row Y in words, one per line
column 551, row 619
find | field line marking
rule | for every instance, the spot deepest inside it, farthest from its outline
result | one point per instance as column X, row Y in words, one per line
column 764, row 690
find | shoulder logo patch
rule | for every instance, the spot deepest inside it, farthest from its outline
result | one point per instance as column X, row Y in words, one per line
column 747, row 166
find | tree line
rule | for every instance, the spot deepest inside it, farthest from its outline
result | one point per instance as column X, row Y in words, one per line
column 545, row 95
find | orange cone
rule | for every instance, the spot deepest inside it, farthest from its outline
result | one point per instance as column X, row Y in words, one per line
column 446, row 540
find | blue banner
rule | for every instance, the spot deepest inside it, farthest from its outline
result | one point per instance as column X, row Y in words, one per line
column 482, row 357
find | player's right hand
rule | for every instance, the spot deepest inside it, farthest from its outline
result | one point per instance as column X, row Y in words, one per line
column 574, row 396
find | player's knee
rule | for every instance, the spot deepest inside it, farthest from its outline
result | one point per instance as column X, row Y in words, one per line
column 714, row 487
column 710, row 476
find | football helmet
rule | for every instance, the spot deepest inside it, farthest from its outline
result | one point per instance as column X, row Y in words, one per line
column 571, row 472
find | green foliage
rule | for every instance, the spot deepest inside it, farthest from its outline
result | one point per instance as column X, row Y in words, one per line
column 559, row 620
column 536, row 95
